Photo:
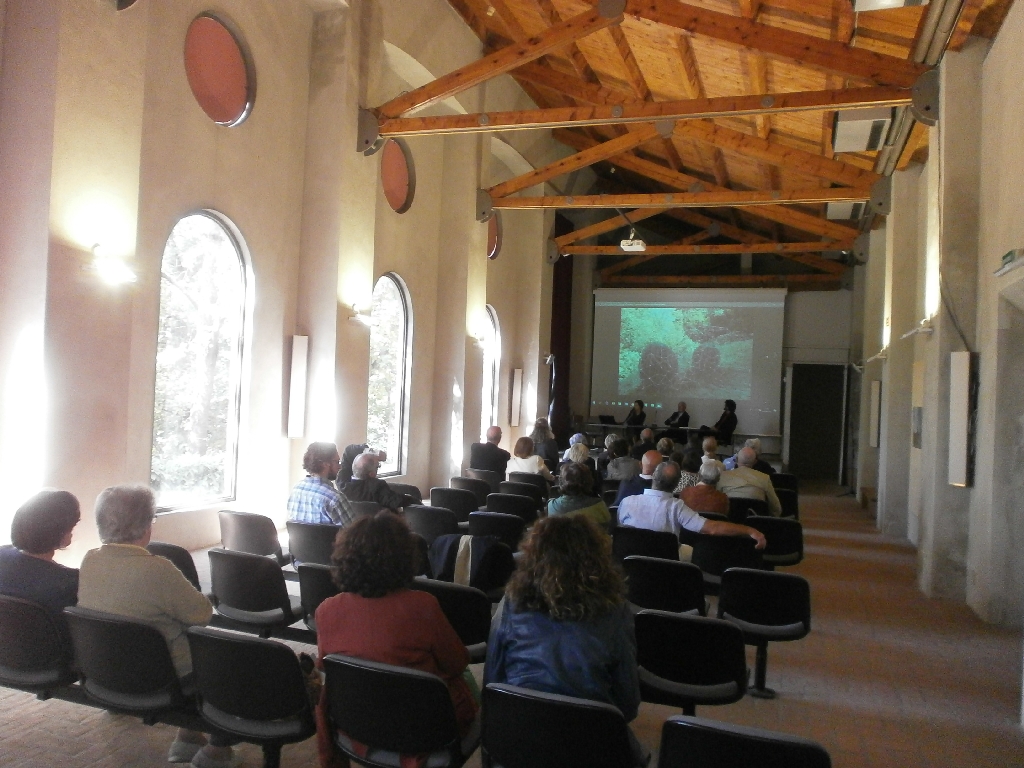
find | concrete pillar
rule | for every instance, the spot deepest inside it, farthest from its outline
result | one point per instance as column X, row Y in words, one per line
column 873, row 290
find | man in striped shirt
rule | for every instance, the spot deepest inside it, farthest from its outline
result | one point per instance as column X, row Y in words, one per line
column 315, row 499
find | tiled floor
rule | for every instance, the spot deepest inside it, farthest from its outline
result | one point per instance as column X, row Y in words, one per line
column 886, row 677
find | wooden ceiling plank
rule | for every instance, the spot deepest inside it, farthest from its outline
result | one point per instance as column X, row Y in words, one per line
column 498, row 63
column 964, row 24
column 689, row 247
column 749, row 8
column 918, row 137
column 581, row 159
column 802, row 49
column 579, row 62
column 726, row 198
column 608, row 225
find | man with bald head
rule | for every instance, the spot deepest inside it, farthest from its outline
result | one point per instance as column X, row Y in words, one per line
column 366, row 486
column 745, row 482
column 646, row 444
column 488, row 455
column 634, row 486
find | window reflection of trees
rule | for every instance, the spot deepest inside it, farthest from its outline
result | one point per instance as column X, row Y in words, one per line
column 389, row 351
column 198, row 364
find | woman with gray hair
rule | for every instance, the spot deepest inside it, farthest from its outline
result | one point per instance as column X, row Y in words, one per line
column 123, row 578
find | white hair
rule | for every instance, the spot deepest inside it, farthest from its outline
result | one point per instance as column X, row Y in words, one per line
column 709, row 473
column 755, row 443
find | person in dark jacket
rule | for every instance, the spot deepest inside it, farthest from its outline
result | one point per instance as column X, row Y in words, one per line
column 725, row 425
column 365, row 486
column 488, row 455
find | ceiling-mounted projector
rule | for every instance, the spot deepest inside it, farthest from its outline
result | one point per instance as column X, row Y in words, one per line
column 633, row 246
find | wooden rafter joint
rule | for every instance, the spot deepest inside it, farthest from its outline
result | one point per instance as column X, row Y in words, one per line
column 678, row 249
column 695, row 199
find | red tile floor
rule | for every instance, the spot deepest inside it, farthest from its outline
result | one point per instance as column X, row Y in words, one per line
column 887, row 677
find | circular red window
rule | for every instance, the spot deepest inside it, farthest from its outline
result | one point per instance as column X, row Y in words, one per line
column 494, row 235
column 218, row 70
column 397, row 175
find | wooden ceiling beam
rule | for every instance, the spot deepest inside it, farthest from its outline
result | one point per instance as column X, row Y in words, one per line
column 572, row 51
column 572, row 163
column 797, row 47
column 818, row 282
column 968, row 15
column 608, row 225
column 731, row 231
column 726, row 198
column 689, row 247
column 648, row 255
column 589, row 93
column 498, row 63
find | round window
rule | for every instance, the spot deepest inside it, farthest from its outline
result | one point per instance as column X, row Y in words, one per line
column 397, row 175
column 219, row 72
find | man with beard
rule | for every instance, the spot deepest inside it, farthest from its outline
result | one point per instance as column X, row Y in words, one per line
column 315, row 499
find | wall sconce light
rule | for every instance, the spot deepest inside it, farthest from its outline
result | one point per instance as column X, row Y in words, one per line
column 361, row 317
column 924, row 327
column 112, row 270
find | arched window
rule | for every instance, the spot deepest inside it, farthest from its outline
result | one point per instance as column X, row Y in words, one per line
column 492, row 364
column 390, row 367
column 198, row 363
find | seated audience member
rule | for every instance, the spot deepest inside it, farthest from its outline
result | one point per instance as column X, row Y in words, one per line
column 378, row 618
column 525, row 460
column 315, row 499
column 710, row 446
column 544, row 444
column 580, row 454
column 605, row 456
column 704, row 496
column 576, row 484
column 488, row 455
column 646, row 444
column 579, row 437
column 690, row 466
column 348, row 457
column 123, row 578
column 634, row 486
column 621, row 466
column 40, row 527
column 725, row 425
column 366, row 486
column 564, row 626
column 658, row 510
column 760, row 465
column 745, row 482
column 665, row 447
column 680, row 419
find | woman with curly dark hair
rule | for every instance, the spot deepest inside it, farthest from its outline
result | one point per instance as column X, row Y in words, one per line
column 564, row 625
column 378, row 618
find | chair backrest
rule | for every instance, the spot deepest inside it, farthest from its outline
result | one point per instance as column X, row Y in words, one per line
column 430, row 522
column 785, row 480
column 315, row 586
column 35, row 650
column 124, row 663
column 508, row 528
column 387, row 707
column 741, row 509
column 240, row 676
column 784, row 537
column 365, row 508
column 409, row 490
column 610, row 496
column 766, row 599
column 468, row 610
column 459, row 501
column 247, row 582
column 522, row 728
column 664, row 585
column 249, row 532
column 491, row 478
column 530, row 478
column 692, row 650
column 522, row 489
column 610, row 485
column 513, row 504
column 693, row 742
column 311, row 542
column 714, row 554
column 180, row 557
column 480, row 488
column 789, row 501
column 627, row 541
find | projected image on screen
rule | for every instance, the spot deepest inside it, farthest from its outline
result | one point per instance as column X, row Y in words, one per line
column 705, row 352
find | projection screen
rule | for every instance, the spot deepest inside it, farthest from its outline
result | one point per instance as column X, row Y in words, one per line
column 700, row 346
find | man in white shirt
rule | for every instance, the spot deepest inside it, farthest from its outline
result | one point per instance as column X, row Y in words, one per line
column 658, row 510
column 745, row 482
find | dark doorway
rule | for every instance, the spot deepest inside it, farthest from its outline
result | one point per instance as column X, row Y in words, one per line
column 816, row 420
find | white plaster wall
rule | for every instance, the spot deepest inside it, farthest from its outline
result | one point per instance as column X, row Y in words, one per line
column 873, row 277
column 817, row 327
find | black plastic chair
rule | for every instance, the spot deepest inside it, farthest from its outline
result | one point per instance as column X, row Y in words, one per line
column 311, row 542
column 610, row 496
column 250, row 590
column 430, row 522
column 610, row 485
column 508, row 528
column 468, row 610
column 35, row 649
column 689, row 660
column 125, row 665
column 523, row 489
column 784, row 540
column 664, row 585
column 538, row 481
column 627, row 541
column 251, row 689
column 529, row 729
column 741, row 509
column 692, row 742
column 252, row 533
column 790, row 503
column 785, row 480
column 715, row 554
column 524, row 507
column 315, row 586
column 491, row 478
column 180, row 557
column 768, row 607
column 459, row 501
column 411, row 491
column 479, row 488
column 365, row 508
column 393, row 711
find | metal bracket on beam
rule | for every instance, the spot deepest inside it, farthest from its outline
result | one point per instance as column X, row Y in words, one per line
column 862, row 248
column 484, row 205
column 368, row 138
column 610, row 9
column 925, row 93
column 552, row 254
column 665, row 128
column 880, row 202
